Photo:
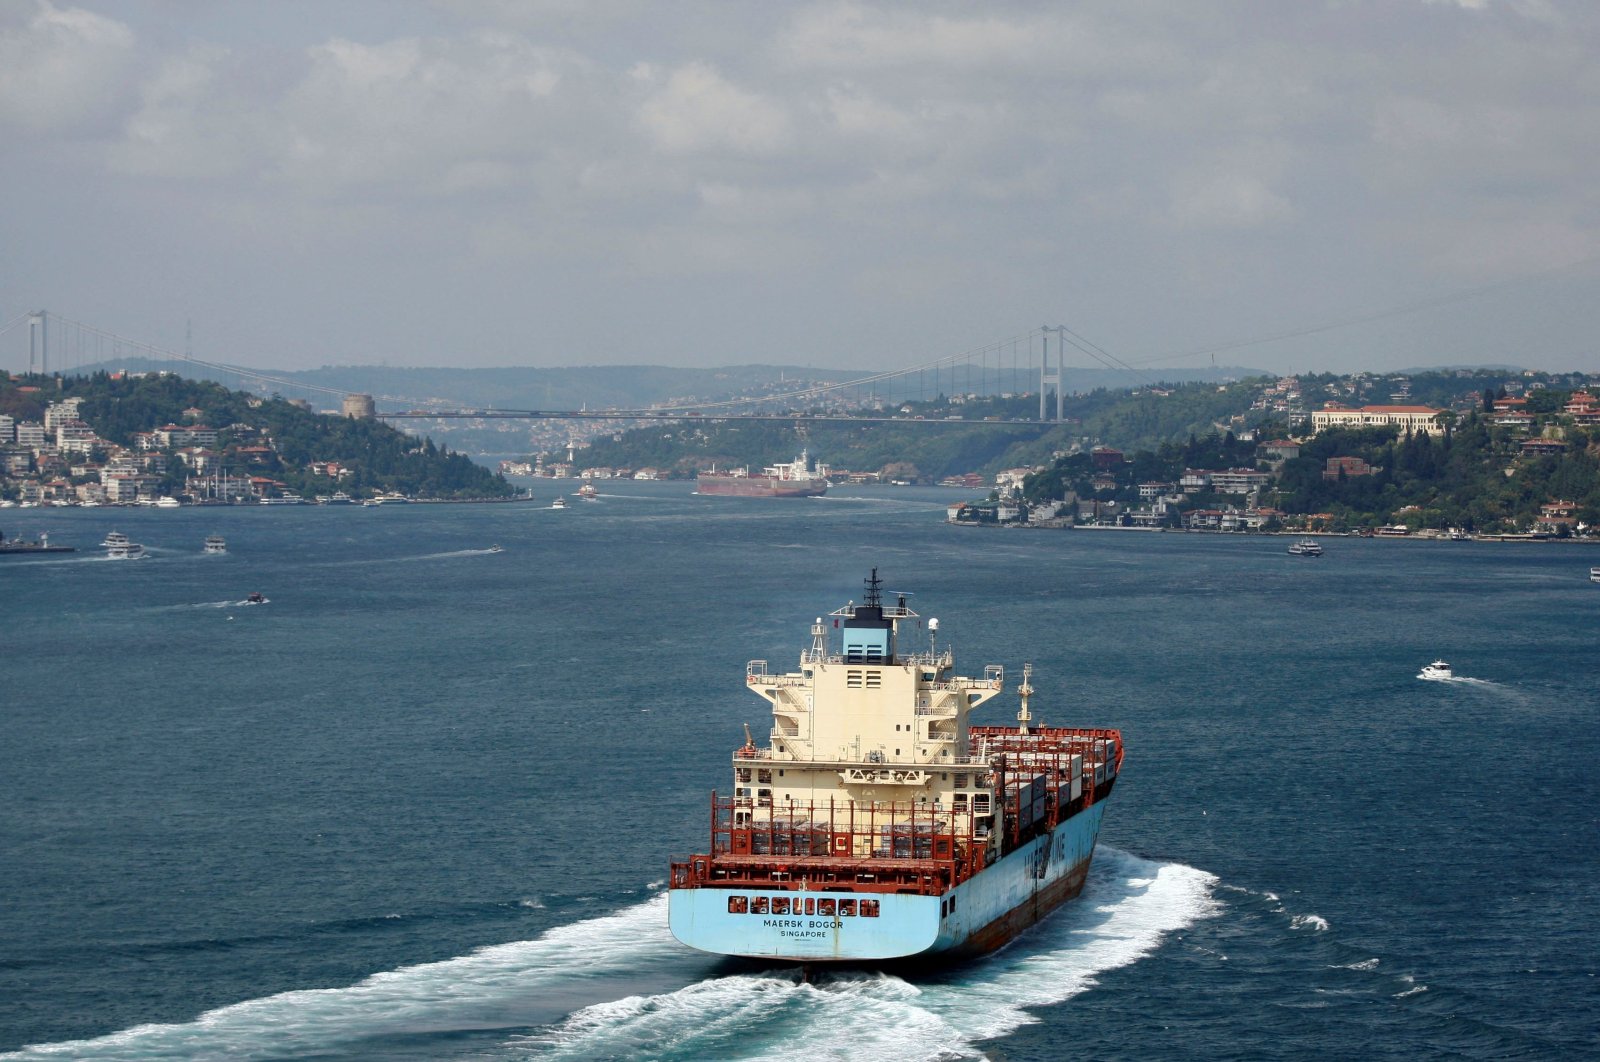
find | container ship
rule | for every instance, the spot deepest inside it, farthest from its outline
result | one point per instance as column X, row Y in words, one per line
column 787, row 479
column 880, row 825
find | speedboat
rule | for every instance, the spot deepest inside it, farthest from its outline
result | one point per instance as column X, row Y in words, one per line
column 496, row 549
column 559, row 503
column 1436, row 671
column 255, row 598
column 216, row 544
column 1306, row 547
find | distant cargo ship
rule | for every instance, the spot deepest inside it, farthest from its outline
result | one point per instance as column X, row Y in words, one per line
column 41, row 546
column 879, row 825
column 790, row 479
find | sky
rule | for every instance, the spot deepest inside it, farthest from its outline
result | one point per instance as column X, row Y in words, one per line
column 1317, row 185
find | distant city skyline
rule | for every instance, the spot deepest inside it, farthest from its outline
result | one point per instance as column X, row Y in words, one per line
column 1309, row 187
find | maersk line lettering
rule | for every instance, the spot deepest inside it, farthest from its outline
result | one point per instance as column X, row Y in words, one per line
column 787, row 924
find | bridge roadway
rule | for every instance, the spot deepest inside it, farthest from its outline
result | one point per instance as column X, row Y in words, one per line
column 656, row 414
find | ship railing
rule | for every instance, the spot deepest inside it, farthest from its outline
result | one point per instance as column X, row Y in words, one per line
column 844, row 834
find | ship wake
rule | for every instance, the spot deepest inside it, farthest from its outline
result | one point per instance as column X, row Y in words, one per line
column 1128, row 908
column 619, row 986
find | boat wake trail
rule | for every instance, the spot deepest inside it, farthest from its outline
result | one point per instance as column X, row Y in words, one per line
column 497, row 987
column 1129, row 906
column 619, row 986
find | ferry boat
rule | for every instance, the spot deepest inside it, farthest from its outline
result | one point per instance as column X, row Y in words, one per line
column 1594, row 575
column 114, row 538
column 340, row 498
column 1306, row 547
column 216, row 544
column 124, row 550
column 879, row 824
column 787, row 479
column 1436, row 671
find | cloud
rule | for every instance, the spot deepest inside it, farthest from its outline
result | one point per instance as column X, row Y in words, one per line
column 695, row 109
column 62, row 69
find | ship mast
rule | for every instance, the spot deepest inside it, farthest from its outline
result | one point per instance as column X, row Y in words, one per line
column 1024, row 717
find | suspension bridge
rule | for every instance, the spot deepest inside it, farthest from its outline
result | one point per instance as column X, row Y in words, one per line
column 1030, row 365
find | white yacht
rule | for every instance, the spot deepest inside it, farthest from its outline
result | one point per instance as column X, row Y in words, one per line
column 216, row 544
column 113, row 539
column 124, row 550
column 1436, row 671
column 559, row 503
column 167, row 502
column 1594, row 575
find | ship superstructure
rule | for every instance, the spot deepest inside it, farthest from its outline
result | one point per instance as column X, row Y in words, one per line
column 879, row 823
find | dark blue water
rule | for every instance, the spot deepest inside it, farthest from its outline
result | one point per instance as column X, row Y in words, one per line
column 420, row 805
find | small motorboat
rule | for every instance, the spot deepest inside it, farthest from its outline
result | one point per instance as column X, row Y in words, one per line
column 559, row 503
column 255, row 598
column 216, row 544
column 1437, row 671
column 496, row 549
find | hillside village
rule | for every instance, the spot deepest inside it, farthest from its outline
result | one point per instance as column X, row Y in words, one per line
column 157, row 439
column 1489, row 463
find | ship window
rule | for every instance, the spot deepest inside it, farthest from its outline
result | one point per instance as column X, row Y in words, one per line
column 952, row 903
column 744, row 774
column 764, row 776
column 744, row 791
column 811, row 906
column 847, row 908
column 827, row 907
column 944, row 908
column 980, row 803
column 928, row 676
column 780, row 905
column 897, row 752
column 758, row 905
column 869, row 908
column 961, row 801
column 738, row 904
column 961, row 781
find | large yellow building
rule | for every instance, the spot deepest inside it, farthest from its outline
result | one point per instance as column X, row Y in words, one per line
column 1406, row 418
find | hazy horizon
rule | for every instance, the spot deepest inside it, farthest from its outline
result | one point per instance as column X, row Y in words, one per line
column 1315, row 187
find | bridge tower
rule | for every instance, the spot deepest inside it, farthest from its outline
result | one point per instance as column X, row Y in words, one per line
column 1052, row 375
column 39, row 342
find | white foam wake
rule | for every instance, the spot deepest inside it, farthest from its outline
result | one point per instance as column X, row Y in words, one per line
column 568, row 981
column 1129, row 907
column 482, row 990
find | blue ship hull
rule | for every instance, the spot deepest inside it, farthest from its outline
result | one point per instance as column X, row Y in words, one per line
column 977, row 916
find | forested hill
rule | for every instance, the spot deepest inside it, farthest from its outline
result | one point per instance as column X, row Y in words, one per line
column 376, row 456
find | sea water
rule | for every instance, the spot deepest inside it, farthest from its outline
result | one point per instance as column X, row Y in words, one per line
column 420, row 803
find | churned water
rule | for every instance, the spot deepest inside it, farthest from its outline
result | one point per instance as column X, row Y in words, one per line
column 421, row 802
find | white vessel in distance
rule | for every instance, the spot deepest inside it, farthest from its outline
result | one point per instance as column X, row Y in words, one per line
column 1436, row 671
column 1306, row 547
column 216, row 544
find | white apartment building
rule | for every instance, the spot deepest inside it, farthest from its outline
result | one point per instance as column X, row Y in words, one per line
column 1406, row 418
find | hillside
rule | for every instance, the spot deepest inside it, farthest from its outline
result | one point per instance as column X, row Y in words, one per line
column 268, row 439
